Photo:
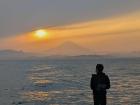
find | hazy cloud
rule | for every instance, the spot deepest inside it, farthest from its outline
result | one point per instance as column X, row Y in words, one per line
column 19, row 16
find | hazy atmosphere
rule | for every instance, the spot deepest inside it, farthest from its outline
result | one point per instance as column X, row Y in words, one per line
column 69, row 52
column 84, row 26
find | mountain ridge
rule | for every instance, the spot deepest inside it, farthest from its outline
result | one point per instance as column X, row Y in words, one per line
column 9, row 54
column 68, row 49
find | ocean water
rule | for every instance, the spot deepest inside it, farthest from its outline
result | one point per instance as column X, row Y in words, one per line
column 67, row 81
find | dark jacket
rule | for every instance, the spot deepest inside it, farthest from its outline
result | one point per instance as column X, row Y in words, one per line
column 99, row 83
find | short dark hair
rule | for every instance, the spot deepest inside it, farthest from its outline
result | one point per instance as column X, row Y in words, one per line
column 100, row 67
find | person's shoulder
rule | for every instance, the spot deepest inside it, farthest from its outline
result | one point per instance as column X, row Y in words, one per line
column 94, row 75
column 106, row 76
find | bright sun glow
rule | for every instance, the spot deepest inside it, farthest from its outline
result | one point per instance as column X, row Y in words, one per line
column 41, row 33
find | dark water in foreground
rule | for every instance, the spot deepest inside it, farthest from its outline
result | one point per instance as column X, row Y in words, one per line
column 66, row 81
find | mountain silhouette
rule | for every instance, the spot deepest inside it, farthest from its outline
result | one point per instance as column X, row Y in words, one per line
column 68, row 49
column 13, row 54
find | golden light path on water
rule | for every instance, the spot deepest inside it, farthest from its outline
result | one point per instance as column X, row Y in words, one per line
column 35, row 96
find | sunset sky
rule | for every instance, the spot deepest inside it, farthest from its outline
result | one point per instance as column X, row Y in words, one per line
column 102, row 26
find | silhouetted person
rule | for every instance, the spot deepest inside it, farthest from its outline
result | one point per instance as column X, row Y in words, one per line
column 99, row 84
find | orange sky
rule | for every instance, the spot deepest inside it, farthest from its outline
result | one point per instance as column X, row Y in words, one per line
column 111, row 35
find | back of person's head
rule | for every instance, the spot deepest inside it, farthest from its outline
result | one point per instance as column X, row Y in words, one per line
column 99, row 68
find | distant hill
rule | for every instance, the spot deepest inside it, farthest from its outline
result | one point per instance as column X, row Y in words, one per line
column 128, row 54
column 136, row 53
column 13, row 55
column 68, row 49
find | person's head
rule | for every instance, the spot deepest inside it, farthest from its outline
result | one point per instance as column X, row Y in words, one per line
column 99, row 68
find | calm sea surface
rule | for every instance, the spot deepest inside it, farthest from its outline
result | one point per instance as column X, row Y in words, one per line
column 66, row 81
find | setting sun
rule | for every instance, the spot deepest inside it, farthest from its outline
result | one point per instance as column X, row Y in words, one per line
column 41, row 33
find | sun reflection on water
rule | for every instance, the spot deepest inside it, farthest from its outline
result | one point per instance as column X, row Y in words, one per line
column 35, row 95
